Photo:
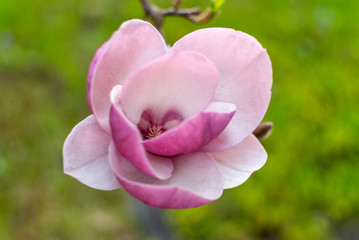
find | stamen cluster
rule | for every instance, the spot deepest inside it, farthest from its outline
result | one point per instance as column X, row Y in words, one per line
column 154, row 130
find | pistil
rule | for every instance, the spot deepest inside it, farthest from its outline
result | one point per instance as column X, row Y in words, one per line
column 154, row 130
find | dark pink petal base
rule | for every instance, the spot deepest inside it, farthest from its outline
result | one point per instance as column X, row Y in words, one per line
column 196, row 181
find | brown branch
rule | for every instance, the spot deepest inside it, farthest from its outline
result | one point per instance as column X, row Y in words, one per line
column 186, row 13
column 263, row 130
column 176, row 4
column 154, row 12
column 157, row 15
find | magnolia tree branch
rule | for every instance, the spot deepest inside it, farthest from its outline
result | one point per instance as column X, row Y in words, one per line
column 263, row 130
column 157, row 15
column 186, row 13
column 177, row 3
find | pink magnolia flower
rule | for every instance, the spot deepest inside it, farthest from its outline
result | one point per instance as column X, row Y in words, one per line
column 172, row 126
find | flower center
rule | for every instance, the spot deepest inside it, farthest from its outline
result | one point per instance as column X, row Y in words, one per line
column 154, row 130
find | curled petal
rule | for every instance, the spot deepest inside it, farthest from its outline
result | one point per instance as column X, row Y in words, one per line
column 245, row 78
column 93, row 67
column 181, row 83
column 239, row 162
column 193, row 133
column 196, row 180
column 128, row 142
column 86, row 155
column 135, row 43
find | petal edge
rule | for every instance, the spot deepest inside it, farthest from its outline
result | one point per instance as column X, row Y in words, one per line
column 85, row 155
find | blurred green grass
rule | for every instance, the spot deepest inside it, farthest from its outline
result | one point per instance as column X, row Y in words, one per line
column 307, row 189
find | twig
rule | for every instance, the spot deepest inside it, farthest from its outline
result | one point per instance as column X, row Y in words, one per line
column 157, row 15
column 263, row 130
column 186, row 13
column 176, row 4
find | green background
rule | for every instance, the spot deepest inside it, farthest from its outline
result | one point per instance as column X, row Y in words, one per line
column 308, row 188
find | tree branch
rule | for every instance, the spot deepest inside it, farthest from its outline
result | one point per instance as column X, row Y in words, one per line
column 263, row 130
column 176, row 4
column 157, row 15
column 186, row 13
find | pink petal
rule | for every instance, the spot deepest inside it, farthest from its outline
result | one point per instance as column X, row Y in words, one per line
column 93, row 66
column 245, row 78
column 127, row 139
column 86, row 155
column 193, row 133
column 181, row 83
column 133, row 45
column 196, row 180
column 239, row 162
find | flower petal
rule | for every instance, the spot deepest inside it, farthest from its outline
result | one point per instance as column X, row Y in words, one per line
column 193, row 133
column 127, row 139
column 133, row 45
column 245, row 78
column 86, row 157
column 196, row 180
column 182, row 83
column 93, row 66
column 239, row 162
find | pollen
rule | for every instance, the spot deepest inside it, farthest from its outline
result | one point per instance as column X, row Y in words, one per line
column 154, row 130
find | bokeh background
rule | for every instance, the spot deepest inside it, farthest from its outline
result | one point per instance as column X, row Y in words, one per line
column 308, row 188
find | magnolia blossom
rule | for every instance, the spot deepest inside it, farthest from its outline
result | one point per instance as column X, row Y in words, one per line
column 172, row 126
